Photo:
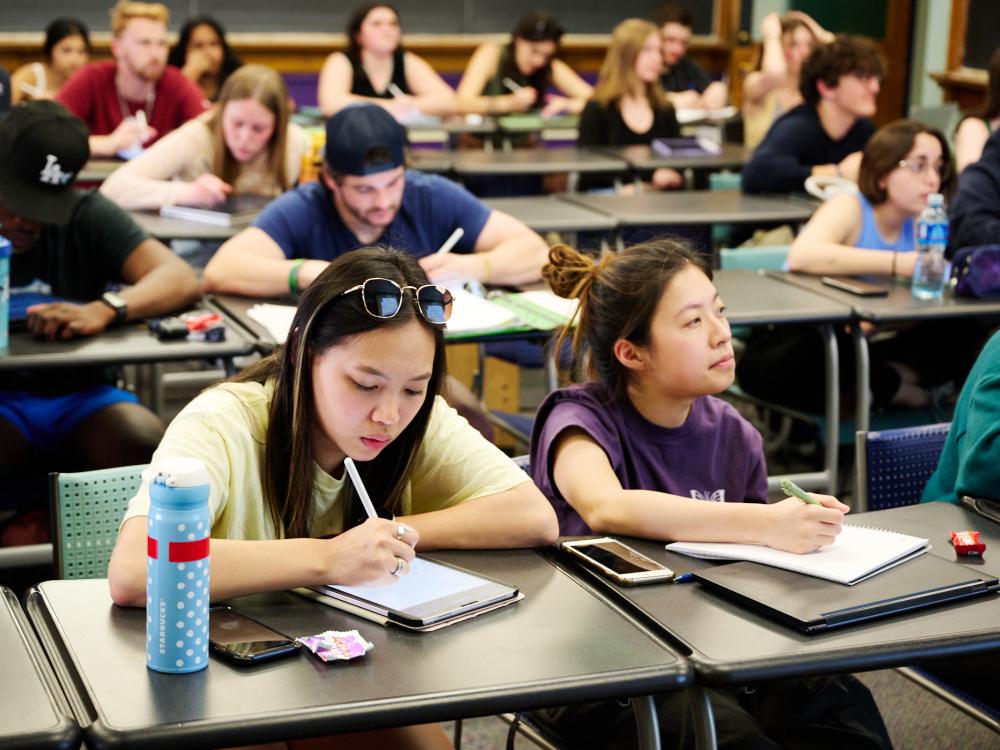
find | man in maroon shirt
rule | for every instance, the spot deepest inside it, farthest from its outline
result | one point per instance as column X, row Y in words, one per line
column 134, row 99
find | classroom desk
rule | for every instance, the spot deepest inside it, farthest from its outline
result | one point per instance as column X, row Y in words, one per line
column 696, row 207
column 168, row 228
column 644, row 158
column 561, row 643
column 430, row 160
column 733, row 645
column 33, row 710
column 98, row 170
column 546, row 213
column 754, row 298
column 534, row 161
column 130, row 344
column 899, row 306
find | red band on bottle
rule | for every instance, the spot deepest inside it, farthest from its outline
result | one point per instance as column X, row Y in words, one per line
column 151, row 548
column 189, row 551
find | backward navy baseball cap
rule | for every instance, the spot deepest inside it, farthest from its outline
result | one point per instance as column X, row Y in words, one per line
column 42, row 149
column 355, row 132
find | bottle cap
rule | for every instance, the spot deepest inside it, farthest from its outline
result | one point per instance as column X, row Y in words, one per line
column 935, row 199
column 179, row 472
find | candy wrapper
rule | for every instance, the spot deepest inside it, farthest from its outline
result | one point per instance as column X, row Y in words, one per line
column 337, row 645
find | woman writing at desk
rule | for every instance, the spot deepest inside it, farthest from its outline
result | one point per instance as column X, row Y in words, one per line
column 243, row 145
column 629, row 106
column 376, row 69
column 644, row 449
column 870, row 233
column 359, row 377
column 517, row 77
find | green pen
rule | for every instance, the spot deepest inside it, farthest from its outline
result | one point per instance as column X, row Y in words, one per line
column 793, row 490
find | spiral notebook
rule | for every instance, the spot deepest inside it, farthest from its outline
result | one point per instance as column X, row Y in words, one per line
column 858, row 553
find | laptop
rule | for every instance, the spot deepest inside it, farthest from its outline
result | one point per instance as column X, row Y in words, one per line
column 813, row 605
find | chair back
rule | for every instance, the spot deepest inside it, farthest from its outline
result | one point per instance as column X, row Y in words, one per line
column 754, row 258
column 944, row 117
column 88, row 507
column 893, row 466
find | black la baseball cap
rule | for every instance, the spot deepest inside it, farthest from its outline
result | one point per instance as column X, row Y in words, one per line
column 42, row 149
column 354, row 132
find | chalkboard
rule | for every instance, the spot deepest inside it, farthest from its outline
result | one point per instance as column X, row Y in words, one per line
column 982, row 33
column 418, row 16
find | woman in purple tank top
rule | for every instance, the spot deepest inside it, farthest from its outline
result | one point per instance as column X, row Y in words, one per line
column 645, row 449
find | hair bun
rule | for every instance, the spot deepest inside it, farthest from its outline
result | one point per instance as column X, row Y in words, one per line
column 569, row 273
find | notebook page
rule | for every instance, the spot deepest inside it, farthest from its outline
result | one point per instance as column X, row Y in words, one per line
column 471, row 314
column 858, row 552
column 277, row 319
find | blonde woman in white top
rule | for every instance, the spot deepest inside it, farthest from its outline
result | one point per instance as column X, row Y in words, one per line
column 244, row 145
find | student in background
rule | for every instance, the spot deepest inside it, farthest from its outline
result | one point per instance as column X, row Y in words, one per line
column 244, row 145
column 76, row 242
column 203, row 55
column 107, row 95
column 973, row 131
column 4, row 90
column 360, row 378
column 366, row 196
column 67, row 49
column 628, row 105
column 870, row 233
column 823, row 136
column 516, row 77
column 645, row 449
column 773, row 88
column 686, row 84
column 975, row 212
column 376, row 68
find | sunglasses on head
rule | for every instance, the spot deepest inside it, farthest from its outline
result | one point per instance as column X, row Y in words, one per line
column 383, row 298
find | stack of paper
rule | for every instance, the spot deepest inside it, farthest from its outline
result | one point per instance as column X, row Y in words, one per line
column 277, row 319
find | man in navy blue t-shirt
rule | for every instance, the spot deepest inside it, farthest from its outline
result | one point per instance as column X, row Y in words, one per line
column 365, row 196
column 825, row 135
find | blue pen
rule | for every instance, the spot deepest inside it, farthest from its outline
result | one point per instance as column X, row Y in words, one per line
column 684, row 578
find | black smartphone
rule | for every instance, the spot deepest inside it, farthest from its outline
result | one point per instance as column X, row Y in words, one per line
column 856, row 286
column 241, row 639
column 618, row 561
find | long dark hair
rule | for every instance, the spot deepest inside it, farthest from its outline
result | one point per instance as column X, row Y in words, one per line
column 618, row 294
column 178, row 53
column 991, row 105
column 61, row 28
column 323, row 320
column 353, row 28
column 537, row 26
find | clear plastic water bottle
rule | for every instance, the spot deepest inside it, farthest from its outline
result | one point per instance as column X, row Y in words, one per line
column 930, row 274
column 5, row 253
column 177, row 594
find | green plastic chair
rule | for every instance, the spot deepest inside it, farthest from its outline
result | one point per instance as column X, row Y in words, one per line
column 88, row 507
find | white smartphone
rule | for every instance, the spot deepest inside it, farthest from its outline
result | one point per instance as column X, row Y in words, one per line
column 618, row 561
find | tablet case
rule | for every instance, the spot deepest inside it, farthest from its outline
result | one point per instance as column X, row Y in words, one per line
column 813, row 605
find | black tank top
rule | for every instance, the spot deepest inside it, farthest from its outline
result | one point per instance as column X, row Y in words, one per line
column 507, row 68
column 362, row 86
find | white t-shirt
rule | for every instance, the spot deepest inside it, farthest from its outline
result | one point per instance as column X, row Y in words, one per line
column 225, row 428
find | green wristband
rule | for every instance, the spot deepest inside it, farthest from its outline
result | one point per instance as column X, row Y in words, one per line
column 293, row 276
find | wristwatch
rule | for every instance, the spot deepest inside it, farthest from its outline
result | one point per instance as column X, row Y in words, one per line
column 116, row 303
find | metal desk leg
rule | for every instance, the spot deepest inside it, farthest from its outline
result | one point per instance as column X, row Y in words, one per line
column 645, row 722
column 862, row 378
column 704, row 721
column 832, row 361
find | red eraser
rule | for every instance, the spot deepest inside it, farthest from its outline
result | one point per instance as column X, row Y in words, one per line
column 967, row 543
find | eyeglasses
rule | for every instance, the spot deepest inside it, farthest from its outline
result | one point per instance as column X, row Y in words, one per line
column 383, row 298
column 921, row 165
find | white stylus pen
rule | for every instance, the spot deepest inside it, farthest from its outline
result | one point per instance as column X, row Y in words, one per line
column 451, row 241
column 359, row 487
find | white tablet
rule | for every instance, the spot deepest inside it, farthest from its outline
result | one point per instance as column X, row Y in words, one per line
column 430, row 593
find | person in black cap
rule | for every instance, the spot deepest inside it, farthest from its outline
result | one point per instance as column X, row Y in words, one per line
column 75, row 243
column 366, row 196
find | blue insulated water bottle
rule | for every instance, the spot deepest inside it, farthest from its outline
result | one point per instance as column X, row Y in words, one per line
column 177, row 565
column 5, row 253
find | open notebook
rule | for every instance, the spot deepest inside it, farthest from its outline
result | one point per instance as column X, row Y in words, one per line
column 859, row 553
